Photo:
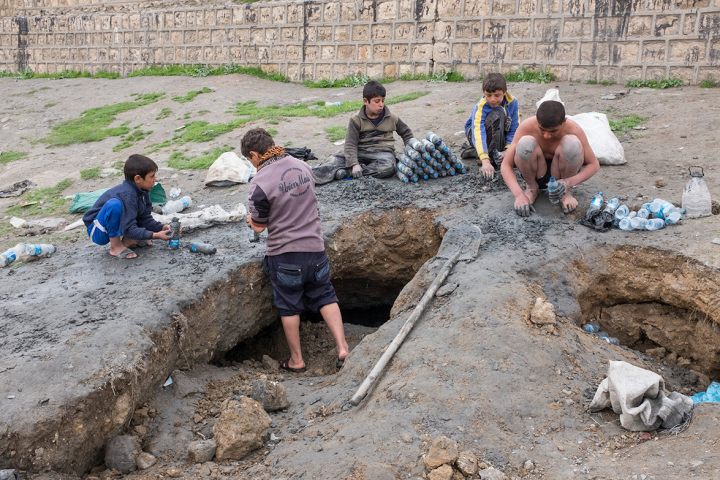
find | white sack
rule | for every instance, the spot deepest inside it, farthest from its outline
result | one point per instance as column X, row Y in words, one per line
column 205, row 218
column 551, row 94
column 638, row 396
column 229, row 169
column 602, row 140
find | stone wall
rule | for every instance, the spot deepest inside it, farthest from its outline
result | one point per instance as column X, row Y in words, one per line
column 615, row 40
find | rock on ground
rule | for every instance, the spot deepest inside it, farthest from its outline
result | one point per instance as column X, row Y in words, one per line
column 271, row 395
column 543, row 313
column 202, row 451
column 442, row 451
column 492, row 474
column 240, row 428
column 270, row 364
column 467, row 463
column 445, row 472
column 120, row 453
column 145, row 460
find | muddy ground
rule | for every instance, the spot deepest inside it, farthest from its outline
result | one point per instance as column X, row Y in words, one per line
column 87, row 340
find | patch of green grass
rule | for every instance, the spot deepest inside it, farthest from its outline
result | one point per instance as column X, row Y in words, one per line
column 92, row 124
column 273, row 122
column 164, row 113
column 663, row 83
column 131, row 138
column 191, row 95
column 532, row 76
column 591, row 82
column 335, row 133
column 49, row 200
column 203, row 71
column 119, row 165
column 607, row 83
column 287, row 144
column 50, row 105
column 626, row 123
column 156, row 146
column 361, row 80
column 709, row 84
column 7, row 157
column 90, row 173
column 181, row 161
column 202, row 131
column 203, row 112
column 459, row 111
column 186, row 116
column 271, row 131
column 5, row 229
column 28, row 73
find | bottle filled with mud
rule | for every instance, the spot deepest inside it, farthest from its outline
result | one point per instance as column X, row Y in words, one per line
column 416, row 145
column 553, row 185
column 206, row 248
column 402, row 176
column 429, row 146
column 432, row 137
column 612, row 205
column 421, row 174
column 412, row 153
column 174, row 241
column 408, row 161
column 405, row 169
column 591, row 327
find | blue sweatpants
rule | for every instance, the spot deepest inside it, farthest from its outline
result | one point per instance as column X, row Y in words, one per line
column 107, row 223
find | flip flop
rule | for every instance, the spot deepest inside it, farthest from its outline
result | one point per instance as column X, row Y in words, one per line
column 339, row 364
column 285, row 365
column 124, row 254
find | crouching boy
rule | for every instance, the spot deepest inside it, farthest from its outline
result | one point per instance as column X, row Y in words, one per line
column 122, row 216
column 282, row 199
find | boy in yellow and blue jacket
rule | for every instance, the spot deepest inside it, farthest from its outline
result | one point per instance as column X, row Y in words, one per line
column 493, row 123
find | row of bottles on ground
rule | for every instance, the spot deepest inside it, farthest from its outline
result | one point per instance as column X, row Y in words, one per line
column 651, row 216
column 26, row 252
column 428, row 159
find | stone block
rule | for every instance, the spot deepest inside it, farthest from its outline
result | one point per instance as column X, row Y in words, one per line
column 443, row 30
column 386, row 10
column 389, row 70
column 331, row 12
column 441, row 51
column 497, row 52
column 374, row 70
column 293, row 52
column 224, row 16
column 478, row 51
column 265, row 16
column 312, row 52
column 425, row 31
column 639, row 26
column 322, row 70
column 257, row 35
column 238, row 15
column 610, row 73
column 346, row 52
column 189, row 36
column 460, row 52
column 327, row 52
column 399, row 52
column 624, row 52
column 449, row 8
column 381, row 32
column 295, row 14
column 176, row 37
column 324, row 34
column 289, row 34
column 592, row 53
column 682, row 4
column 708, row 73
column 468, row 70
column 381, row 52
column 688, row 26
column 667, row 25
column 342, row 33
column 271, row 35
column 251, row 14
column 576, row 28
column 476, row 8
column 348, row 12
column 549, row 6
column 654, row 73
column 422, row 51
column 313, row 14
column 425, row 10
column 180, row 54
column 494, row 30
column 360, row 33
column 240, row 428
column 191, row 19
column 208, row 54
column 468, row 29
column 519, row 28
column 209, row 19
column 573, row 8
column 523, row 51
column 545, row 51
column 503, row 7
column 363, row 52
column 442, row 451
column 277, row 52
column 653, row 51
column 236, row 53
column 203, row 36
column 687, row 51
column 686, row 74
column 193, row 54
column 547, row 30
column 404, row 31
column 581, row 74
column 405, row 69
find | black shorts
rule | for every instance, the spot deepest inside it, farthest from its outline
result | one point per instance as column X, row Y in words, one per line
column 296, row 273
column 543, row 181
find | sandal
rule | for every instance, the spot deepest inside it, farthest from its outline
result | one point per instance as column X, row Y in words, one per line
column 124, row 254
column 285, row 365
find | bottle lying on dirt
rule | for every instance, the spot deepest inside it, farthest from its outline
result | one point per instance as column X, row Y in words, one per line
column 429, row 146
column 432, row 137
column 553, row 185
column 621, row 213
column 206, row 248
column 596, row 202
column 591, row 327
column 420, row 174
column 41, row 250
column 12, row 254
column 402, row 176
column 408, row 161
column 176, row 206
column 412, row 153
column 416, row 145
column 174, row 241
column 405, row 169
column 612, row 205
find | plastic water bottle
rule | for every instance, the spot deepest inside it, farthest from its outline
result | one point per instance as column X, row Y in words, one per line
column 421, row 174
column 402, row 176
column 673, row 218
column 432, row 137
column 643, row 212
column 459, row 166
column 451, row 172
column 405, row 169
column 205, row 248
column 654, row 224
column 176, row 206
column 414, row 178
column 696, row 199
column 41, row 250
column 416, row 145
column 621, row 213
column 591, row 327
column 429, row 146
column 626, row 224
column 408, row 161
column 443, row 148
column 174, row 193
column 612, row 205
column 661, row 207
column 12, row 254
column 638, row 223
column 333, row 104
column 174, row 241
column 553, row 185
column 631, row 215
column 596, row 202
column 611, row 340
column 437, row 155
column 254, row 236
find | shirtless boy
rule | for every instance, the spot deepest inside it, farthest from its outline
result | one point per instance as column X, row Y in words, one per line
column 548, row 145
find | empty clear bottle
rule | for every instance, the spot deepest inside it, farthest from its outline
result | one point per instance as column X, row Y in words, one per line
column 673, row 218
column 591, row 327
column 42, row 250
column 661, row 207
column 643, row 212
column 174, row 193
column 176, row 206
column 333, row 104
column 621, row 213
column 206, row 248
column 612, row 205
column 611, row 340
column 696, row 199
column 402, row 176
column 631, row 215
column 553, row 185
column 12, row 254
column 174, row 241
column 654, row 224
column 638, row 223
column 432, row 137
column 596, row 202
column 626, row 224
column 415, row 144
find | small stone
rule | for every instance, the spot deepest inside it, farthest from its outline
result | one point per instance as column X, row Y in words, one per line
column 7, row 474
column 50, row 223
column 270, row 364
column 446, row 289
column 561, row 448
column 458, row 476
column 482, row 466
column 529, row 465
column 145, row 460
column 240, row 429
column 407, row 438
column 656, row 352
column 660, row 182
column 141, row 430
column 445, row 472
column 492, row 474
column 442, row 451
column 271, row 395
column 467, row 463
column 173, row 472
column 197, row 418
column 17, row 222
column 543, row 313
column 120, row 453
column 202, row 451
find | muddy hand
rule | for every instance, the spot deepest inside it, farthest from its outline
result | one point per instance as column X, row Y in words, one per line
column 523, row 207
column 487, row 170
column 559, row 192
column 357, row 171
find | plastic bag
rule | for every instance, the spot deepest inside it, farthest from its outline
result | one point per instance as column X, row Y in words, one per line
column 602, row 140
column 551, row 94
column 229, row 169
column 82, row 202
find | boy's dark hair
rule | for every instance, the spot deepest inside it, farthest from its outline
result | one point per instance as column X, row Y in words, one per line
column 373, row 89
column 550, row 114
column 256, row 140
column 494, row 82
column 138, row 165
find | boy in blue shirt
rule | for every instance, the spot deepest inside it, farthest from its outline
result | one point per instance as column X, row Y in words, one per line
column 493, row 123
column 122, row 216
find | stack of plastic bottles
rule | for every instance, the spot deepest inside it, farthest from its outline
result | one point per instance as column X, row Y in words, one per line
column 427, row 159
column 651, row 216
column 712, row 395
column 594, row 328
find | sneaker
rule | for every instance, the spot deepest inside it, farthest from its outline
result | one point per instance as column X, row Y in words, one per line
column 341, row 174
